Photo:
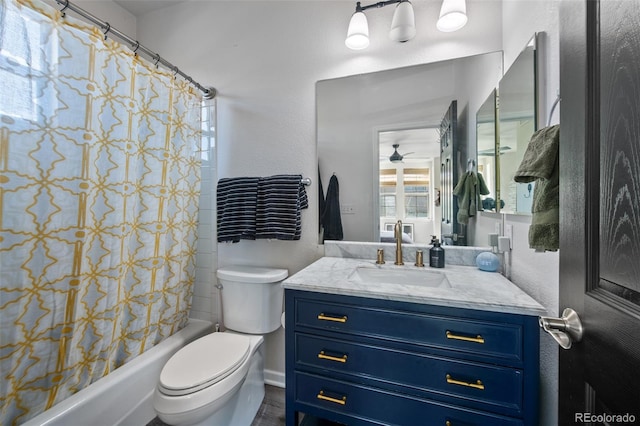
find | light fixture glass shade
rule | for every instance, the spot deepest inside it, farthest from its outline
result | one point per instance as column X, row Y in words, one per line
column 358, row 33
column 403, row 25
column 453, row 15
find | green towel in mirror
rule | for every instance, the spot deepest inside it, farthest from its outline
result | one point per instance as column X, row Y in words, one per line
column 468, row 190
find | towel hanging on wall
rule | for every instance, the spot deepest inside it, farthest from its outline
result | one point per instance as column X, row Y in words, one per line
column 468, row 190
column 250, row 208
column 236, row 208
column 541, row 164
column 280, row 199
column 331, row 220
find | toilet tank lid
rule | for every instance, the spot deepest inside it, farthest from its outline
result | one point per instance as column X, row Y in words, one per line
column 252, row 274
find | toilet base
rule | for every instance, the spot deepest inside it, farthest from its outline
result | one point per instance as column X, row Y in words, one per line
column 237, row 408
column 242, row 408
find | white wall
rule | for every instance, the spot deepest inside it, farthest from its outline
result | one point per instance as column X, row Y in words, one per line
column 265, row 57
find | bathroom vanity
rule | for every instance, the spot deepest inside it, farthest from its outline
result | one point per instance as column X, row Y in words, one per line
column 375, row 344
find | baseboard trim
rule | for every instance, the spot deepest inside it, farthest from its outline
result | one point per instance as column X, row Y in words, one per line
column 274, row 378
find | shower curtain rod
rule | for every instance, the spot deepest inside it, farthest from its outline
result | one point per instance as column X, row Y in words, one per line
column 209, row 92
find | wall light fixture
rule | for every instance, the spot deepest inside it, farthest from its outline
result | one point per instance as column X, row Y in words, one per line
column 453, row 16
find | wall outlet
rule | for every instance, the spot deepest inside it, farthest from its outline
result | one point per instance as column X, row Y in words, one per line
column 347, row 209
column 504, row 244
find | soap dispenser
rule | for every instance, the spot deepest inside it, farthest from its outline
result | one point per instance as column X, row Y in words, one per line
column 436, row 255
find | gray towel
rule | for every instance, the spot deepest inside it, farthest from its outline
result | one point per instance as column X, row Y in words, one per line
column 468, row 190
column 541, row 164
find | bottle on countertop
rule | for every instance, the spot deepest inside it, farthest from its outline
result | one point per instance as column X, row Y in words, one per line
column 436, row 255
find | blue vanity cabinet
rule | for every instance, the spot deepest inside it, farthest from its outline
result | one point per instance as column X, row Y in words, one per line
column 356, row 360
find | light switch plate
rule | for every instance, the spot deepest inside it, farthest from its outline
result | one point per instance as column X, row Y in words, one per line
column 508, row 232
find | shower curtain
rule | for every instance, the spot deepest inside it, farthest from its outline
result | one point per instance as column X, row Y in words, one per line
column 99, row 190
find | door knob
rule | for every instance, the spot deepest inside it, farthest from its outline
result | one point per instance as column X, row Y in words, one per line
column 564, row 330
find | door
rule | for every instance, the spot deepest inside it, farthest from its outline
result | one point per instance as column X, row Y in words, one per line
column 449, row 164
column 600, row 209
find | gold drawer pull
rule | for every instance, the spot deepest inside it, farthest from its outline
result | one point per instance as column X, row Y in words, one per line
column 342, row 401
column 477, row 339
column 323, row 317
column 342, row 359
column 477, row 385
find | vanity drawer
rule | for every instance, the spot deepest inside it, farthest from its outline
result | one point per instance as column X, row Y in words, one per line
column 475, row 337
column 474, row 384
column 365, row 402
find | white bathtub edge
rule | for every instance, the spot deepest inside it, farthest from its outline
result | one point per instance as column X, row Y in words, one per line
column 100, row 403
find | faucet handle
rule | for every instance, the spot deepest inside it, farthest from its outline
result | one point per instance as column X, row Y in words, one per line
column 380, row 257
column 419, row 258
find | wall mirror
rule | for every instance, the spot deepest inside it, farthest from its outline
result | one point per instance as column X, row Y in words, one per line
column 486, row 130
column 361, row 117
column 517, row 109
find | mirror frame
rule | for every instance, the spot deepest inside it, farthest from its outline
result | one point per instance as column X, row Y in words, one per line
column 533, row 43
column 493, row 97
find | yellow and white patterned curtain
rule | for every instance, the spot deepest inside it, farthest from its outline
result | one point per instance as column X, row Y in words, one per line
column 99, row 189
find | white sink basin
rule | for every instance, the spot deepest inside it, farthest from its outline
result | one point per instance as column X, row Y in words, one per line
column 419, row 277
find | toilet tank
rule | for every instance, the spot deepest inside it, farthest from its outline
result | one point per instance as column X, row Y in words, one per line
column 251, row 298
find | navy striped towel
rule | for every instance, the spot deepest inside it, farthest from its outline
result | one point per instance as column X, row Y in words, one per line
column 236, row 207
column 280, row 199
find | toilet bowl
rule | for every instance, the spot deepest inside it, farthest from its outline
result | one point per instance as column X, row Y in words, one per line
column 187, row 396
column 219, row 378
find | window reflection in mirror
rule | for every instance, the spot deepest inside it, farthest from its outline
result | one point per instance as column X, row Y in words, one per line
column 517, row 122
column 406, row 183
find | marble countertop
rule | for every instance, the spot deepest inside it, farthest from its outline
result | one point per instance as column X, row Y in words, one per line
column 468, row 286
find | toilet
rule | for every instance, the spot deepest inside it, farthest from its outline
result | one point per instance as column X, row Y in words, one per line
column 218, row 379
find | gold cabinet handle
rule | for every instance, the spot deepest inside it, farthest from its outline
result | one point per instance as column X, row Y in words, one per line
column 477, row 385
column 323, row 397
column 477, row 339
column 324, row 317
column 342, row 359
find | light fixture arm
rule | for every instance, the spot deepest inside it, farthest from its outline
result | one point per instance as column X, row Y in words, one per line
column 360, row 8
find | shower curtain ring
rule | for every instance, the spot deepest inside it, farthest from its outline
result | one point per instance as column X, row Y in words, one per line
column 136, row 47
column 66, row 5
column 107, row 29
column 175, row 71
column 156, row 59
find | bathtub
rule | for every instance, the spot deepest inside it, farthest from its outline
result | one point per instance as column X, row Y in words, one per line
column 124, row 397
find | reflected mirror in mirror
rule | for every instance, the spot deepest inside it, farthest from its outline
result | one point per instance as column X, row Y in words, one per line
column 517, row 122
column 486, row 143
column 355, row 112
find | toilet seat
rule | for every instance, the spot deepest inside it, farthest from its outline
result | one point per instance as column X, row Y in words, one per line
column 203, row 362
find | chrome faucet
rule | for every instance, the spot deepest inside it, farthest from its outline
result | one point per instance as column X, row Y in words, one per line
column 397, row 230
